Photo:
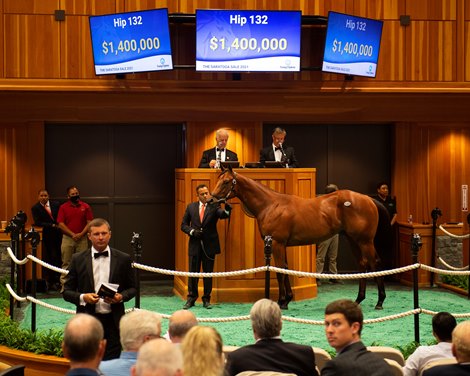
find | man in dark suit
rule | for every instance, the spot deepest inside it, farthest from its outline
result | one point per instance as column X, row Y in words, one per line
column 89, row 270
column 461, row 351
column 200, row 223
column 211, row 158
column 343, row 326
column 45, row 215
column 277, row 151
column 270, row 352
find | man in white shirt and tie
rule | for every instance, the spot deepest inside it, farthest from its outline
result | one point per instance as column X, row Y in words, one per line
column 200, row 223
column 211, row 158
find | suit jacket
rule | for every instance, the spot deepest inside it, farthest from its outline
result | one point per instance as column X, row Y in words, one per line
column 209, row 155
column 272, row 354
column 80, row 281
column 210, row 238
column 448, row 370
column 356, row 360
column 42, row 218
column 267, row 154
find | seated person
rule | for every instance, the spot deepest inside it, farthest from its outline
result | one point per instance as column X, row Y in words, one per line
column 461, row 351
column 343, row 327
column 443, row 323
column 277, row 151
column 211, row 158
column 270, row 352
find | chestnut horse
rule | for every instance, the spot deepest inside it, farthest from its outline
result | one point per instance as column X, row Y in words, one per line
column 293, row 221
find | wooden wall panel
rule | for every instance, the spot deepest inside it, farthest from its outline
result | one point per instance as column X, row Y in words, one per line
column 30, row 6
column 32, row 46
column 134, row 5
column 76, row 54
column 430, row 50
column 430, row 167
column 21, row 167
column 432, row 9
column 392, row 56
column 91, row 7
column 245, row 139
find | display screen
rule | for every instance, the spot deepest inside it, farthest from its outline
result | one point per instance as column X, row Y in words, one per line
column 242, row 40
column 352, row 45
column 131, row 42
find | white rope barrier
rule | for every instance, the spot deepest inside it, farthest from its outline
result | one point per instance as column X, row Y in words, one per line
column 450, row 266
column 453, row 235
column 249, row 271
column 15, row 260
column 442, row 271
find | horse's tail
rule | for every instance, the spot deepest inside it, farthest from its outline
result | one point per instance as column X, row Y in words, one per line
column 383, row 236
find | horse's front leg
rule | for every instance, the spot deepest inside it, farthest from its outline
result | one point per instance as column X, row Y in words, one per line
column 361, row 294
column 285, row 290
column 381, row 289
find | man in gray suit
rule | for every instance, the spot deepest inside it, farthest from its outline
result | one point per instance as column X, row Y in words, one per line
column 200, row 223
column 88, row 271
column 343, row 326
column 270, row 352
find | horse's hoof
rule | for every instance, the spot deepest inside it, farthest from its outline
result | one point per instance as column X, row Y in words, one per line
column 379, row 306
column 284, row 306
column 289, row 298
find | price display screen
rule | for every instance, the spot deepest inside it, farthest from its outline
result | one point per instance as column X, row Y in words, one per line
column 131, row 42
column 352, row 45
column 241, row 40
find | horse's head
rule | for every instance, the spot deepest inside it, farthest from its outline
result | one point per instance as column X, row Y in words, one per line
column 225, row 187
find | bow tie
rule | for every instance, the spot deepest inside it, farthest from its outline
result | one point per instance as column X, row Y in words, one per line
column 217, row 149
column 99, row 254
column 278, row 148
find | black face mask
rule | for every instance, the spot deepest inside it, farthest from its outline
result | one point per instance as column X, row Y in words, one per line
column 75, row 199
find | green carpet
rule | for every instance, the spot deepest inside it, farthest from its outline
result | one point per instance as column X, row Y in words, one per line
column 396, row 333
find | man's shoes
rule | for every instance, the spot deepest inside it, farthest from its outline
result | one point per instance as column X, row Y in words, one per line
column 206, row 305
column 189, row 303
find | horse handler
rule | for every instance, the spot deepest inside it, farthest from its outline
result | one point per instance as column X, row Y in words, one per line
column 200, row 223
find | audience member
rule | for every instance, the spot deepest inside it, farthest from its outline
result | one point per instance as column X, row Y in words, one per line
column 343, row 326
column 83, row 345
column 277, row 151
column 158, row 357
column 211, row 158
column 328, row 248
column 136, row 328
column 179, row 324
column 101, row 266
column 203, row 352
column 200, row 223
column 45, row 213
column 73, row 218
column 270, row 352
column 443, row 323
column 461, row 351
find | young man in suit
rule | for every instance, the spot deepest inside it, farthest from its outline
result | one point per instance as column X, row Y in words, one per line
column 88, row 270
column 343, row 326
column 200, row 223
column 461, row 351
column 270, row 352
column 211, row 158
column 45, row 215
column 277, row 151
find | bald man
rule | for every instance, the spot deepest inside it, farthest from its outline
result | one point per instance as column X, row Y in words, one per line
column 179, row 324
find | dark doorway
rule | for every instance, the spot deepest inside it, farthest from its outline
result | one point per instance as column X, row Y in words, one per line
column 126, row 174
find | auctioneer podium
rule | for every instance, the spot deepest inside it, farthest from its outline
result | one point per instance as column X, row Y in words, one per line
column 241, row 244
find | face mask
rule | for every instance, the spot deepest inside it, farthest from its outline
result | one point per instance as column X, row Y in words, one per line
column 75, row 199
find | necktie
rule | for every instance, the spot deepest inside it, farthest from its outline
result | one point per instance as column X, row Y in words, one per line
column 201, row 213
column 48, row 209
column 99, row 254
